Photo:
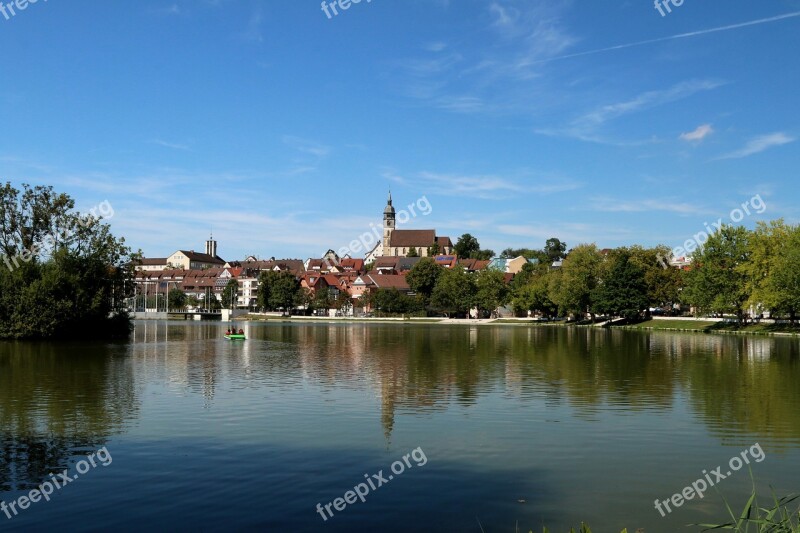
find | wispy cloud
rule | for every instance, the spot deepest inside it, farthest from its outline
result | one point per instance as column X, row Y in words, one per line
column 668, row 205
column 700, row 133
column 759, row 144
column 673, row 37
column 586, row 127
column 174, row 146
column 306, row 146
column 253, row 30
column 491, row 186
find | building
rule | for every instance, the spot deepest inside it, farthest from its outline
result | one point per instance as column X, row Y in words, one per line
column 405, row 243
column 185, row 260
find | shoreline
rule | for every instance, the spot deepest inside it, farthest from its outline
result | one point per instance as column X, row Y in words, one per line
column 703, row 325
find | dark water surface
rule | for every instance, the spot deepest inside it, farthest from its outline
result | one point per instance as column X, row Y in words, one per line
column 512, row 425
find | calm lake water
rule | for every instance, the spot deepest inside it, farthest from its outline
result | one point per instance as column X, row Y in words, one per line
column 512, row 425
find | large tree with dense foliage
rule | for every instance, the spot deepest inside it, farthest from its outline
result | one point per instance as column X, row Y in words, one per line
column 63, row 274
column 621, row 289
column 773, row 268
column 422, row 277
column 718, row 281
column 454, row 292
column 572, row 291
column 468, row 247
column 491, row 291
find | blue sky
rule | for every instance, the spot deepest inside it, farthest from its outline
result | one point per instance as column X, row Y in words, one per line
column 282, row 129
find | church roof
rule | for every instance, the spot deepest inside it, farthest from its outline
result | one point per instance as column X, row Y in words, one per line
column 413, row 238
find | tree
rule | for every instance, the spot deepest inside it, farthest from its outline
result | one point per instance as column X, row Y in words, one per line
column 454, row 292
column 412, row 252
column 422, row 277
column 266, row 280
column 555, row 250
column 483, row 255
column 343, row 302
column 64, row 273
column 229, row 294
column 433, row 249
column 718, row 281
column 664, row 283
column 467, row 246
column 492, row 291
column 177, row 299
column 391, row 302
column 579, row 273
column 322, row 299
column 622, row 290
column 773, row 269
column 284, row 290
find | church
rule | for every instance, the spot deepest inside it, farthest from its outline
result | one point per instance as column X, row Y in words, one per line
column 407, row 242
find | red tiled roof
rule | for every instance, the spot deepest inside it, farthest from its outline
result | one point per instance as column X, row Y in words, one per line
column 412, row 238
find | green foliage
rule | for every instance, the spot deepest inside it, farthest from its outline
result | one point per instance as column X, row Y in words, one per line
column 423, row 276
column 555, row 250
column 777, row 518
column 454, row 292
column 622, row 290
column 412, row 252
column 73, row 275
column 177, row 299
column 572, row 290
column 229, row 294
column 466, row 246
column 719, row 280
column 392, row 302
column 492, row 291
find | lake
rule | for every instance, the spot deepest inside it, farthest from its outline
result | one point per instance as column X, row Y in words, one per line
column 479, row 426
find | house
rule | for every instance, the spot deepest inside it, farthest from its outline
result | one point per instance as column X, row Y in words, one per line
column 185, row 260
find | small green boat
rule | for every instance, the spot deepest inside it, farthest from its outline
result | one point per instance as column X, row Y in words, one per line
column 236, row 337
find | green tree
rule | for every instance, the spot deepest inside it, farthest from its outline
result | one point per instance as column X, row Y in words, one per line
column 773, row 269
column 621, row 290
column 531, row 290
column 266, row 280
column 454, row 292
column 718, row 280
column 412, row 252
column 572, row 290
column 467, row 246
column 322, row 299
column 492, row 291
column 555, row 250
column 284, row 291
column 229, row 294
column 433, row 249
column 422, row 277
column 177, row 299
column 64, row 273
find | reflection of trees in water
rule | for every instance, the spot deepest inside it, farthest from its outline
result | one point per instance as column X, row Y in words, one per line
column 748, row 386
column 58, row 401
column 736, row 383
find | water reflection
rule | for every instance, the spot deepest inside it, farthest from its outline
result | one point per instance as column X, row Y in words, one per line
column 733, row 384
column 56, row 402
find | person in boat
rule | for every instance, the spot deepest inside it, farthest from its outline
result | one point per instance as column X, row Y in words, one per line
column 228, row 332
column 241, row 331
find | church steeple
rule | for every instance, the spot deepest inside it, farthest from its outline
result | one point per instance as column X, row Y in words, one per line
column 388, row 223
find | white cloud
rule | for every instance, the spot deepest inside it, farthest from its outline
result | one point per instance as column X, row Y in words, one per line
column 698, row 134
column 759, row 144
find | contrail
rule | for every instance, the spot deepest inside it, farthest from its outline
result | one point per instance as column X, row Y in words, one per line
column 672, row 37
